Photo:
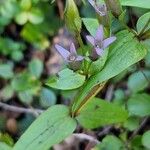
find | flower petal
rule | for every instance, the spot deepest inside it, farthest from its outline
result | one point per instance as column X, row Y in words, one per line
column 99, row 51
column 62, row 51
column 91, row 39
column 79, row 58
column 100, row 33
column 72, row 49
column 108, row 41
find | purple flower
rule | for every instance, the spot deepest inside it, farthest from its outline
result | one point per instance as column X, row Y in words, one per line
column 100, row 9
column 99, row 42
column 69, row 55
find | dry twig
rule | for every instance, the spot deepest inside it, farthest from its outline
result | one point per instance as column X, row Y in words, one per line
column 83, row 136
column 20, row 109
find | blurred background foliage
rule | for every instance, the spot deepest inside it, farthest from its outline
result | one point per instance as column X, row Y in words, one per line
column 28, row 31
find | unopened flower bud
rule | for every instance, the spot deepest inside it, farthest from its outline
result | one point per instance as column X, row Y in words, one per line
column 114, row 6
column 72, row 17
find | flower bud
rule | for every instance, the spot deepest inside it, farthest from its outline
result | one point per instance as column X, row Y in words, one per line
column 114, row 6
column 72, row 17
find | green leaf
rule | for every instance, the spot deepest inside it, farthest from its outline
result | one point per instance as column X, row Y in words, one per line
column 136, row 3
column 36, row 67
column 24, row 81
column 66, row 80
column 4, row 146
column 6, row 71
column 17, row 55
column 126, row 51
column 142, row 21
column 111, row 142
column 145, row 139
column 26, row 96
column 132, row 123
column 7, row 92
column 22, row 18
column 50, row 128
column 35, row 16
column 99, row 113
column 72, row 16
column 139, row 105
column 136, row 142
column 91, row 25
column 138, row 81
column 26, row 4
column 47, row 97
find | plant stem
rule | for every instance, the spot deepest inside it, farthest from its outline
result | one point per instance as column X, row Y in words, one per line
column 124, row 24
column 83, row 52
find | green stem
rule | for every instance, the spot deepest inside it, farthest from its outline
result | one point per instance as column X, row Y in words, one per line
column 145, row 35
column 124, row 24
column 83, row 51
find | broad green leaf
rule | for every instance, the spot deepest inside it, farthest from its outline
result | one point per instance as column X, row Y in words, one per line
column 136, row 3
column 66, row 80
column 139, row 105
column 138, row 81
column 145, row 139
column 111, row 142
column 91, row 25
column 6, row 71
column 126, row 51
column 143, row 20
column 4, row 146
column 132, row 123
column 50, row 128
column 99, row 112
column 36, row 67
column 47, row 97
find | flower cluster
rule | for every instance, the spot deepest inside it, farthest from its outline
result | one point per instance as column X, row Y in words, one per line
column 98, row 42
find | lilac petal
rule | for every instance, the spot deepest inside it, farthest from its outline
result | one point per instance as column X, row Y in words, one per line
column 79, row 58
column 63, row 52
column 73, row 49
column 100, row 33
column 108, row 41
column 99, row 51
column 91, row 39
